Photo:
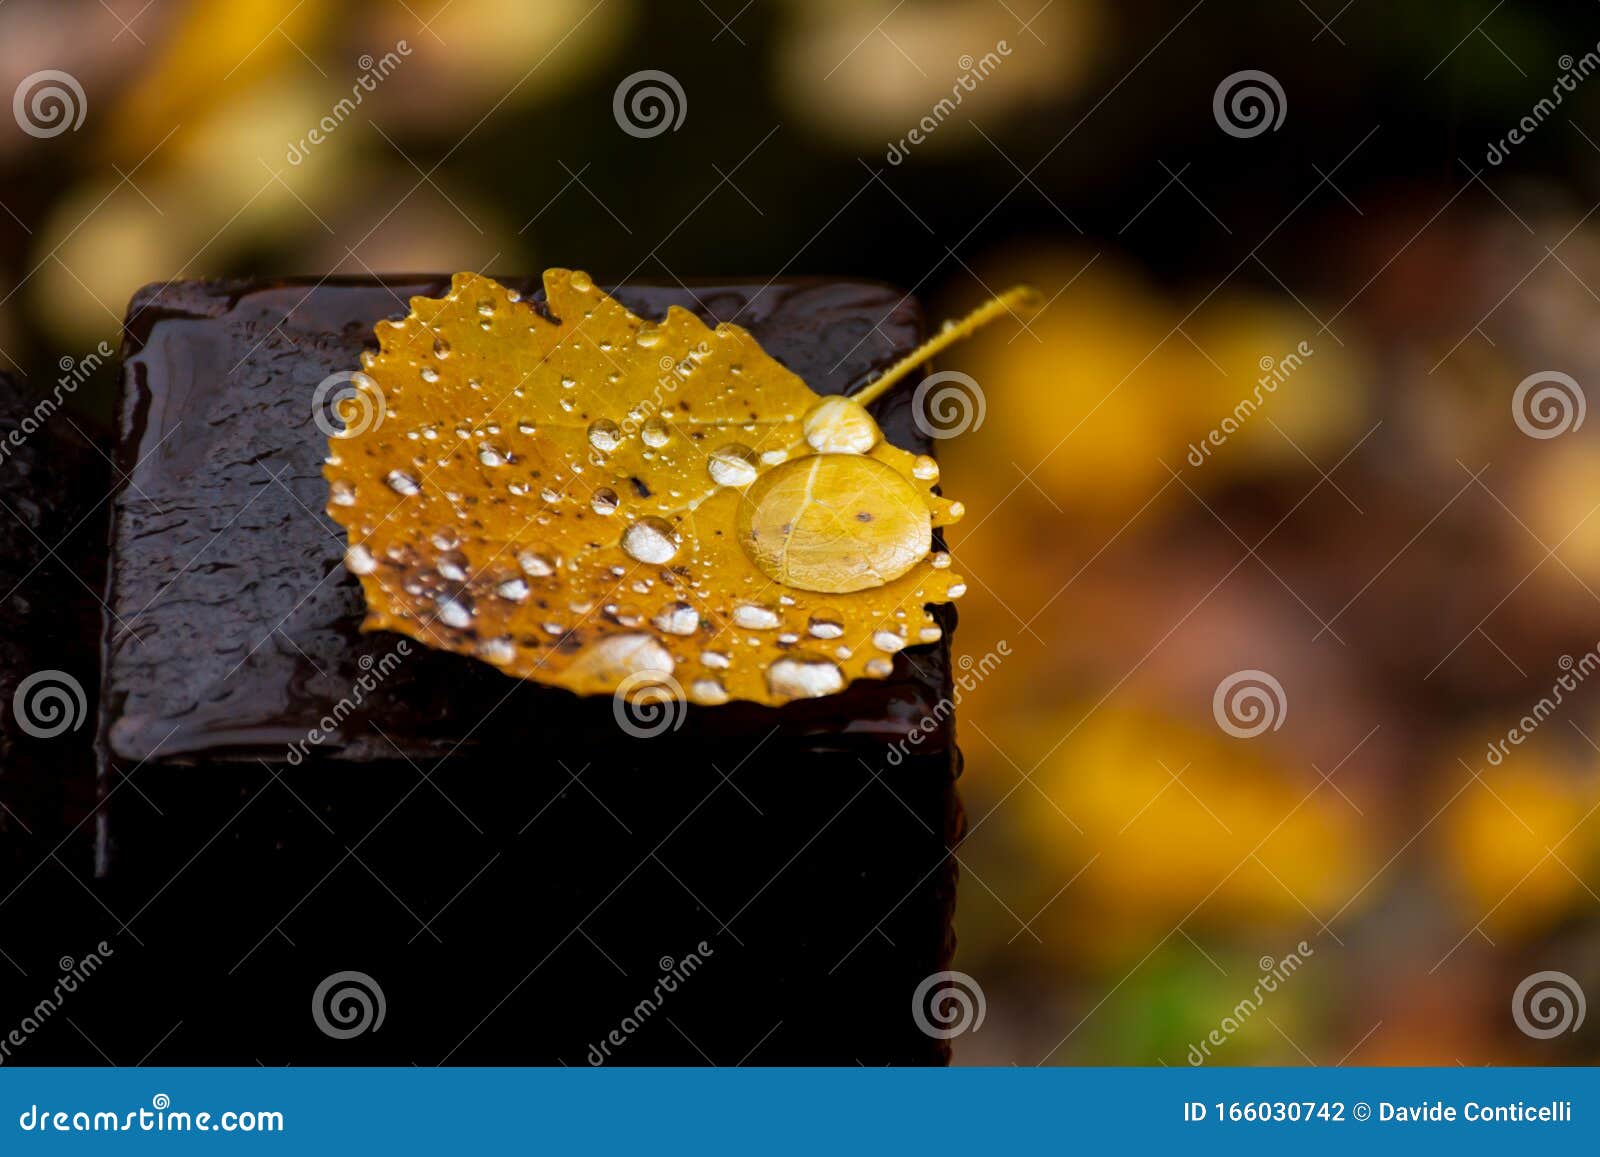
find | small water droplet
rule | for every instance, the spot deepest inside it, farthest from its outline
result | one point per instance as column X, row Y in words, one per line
column 550, row 494
column 825, row 628
column 342, row 494
column 754, row 618
column 879, row 668
column 535, row 564
column 628, row 615
column 650, row 539
column 925, row 469
column 678, row 619
column 939, row 560
column 804, row 677
column 648, row 336
column 500, row 651
column 492, row 455
column 887, row 641
column 568, row 383
column 604, row 501
column 527, row 428
column 429, row 374
column 715, row 660
column 358, row 560
column 604, row 435
column 581, row 281
column 709, row 692
column 513, row 590
column 839, row 425
column 441, row 348
column 732, row 465
column 655, row 433
column 446, row 539
column 486, row 308
column 402, row 483
column 453, row 566
column 568, row 405
column 454, row 614
column 956, row 590
column 930, row 634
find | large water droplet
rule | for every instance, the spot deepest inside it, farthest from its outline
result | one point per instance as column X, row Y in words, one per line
column 454, row 614
column 650, row 539
column 655, row 433
column 754, row 618
column 604, row 501
column 358, row 560
column 732, row 465
column 887, row 641
column 678, row 619
column 822, row 627
column 453, row 566
column 925, row 469
column 715, row 660
column 499, row 651
column 492, row 455
column 536, row 564
column 804, row 677
column 604, row 435
column 709, row 692
column 513, row 590
column 581, row 281
column 840, row 426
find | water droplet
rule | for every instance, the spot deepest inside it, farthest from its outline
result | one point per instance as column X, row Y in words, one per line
column 925, row 469
column 581, row 281
column 678, row 619
column 604, row 501
column 441, row 348
column 453, row 566
column 454, row 614
column 956, row 590
column 732, row 465
column 930, row 634
column 550, row 494
column 650, row 539
column 825, row 628
column 616, row 657
column 342, row 493
column 445, row 539
column 568, row 405
column 514, row 590
column 501, row 650
column 358, row 560
column 655, row 433
column 715, row 660
column 840, row 426
column 773, row 457
column 568, row 383
column 628, row 615
column 402, row 483
column 957, row 511
column 486, row 308
column 527, row 428
column 804, row 677
column 754, row 618
column 709, row 692
column 492, row 455
column 429, row 374
column 887, row 641
column 939, row 560
column 535, row 564
column 604, row 435
column 648, row 336
column 879, row 668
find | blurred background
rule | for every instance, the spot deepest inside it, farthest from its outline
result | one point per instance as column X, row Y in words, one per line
column 1266, row 434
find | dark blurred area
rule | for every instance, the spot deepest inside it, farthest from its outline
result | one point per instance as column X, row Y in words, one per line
column 1391, row 530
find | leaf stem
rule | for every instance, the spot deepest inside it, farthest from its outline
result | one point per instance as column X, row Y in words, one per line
column 1019, row 301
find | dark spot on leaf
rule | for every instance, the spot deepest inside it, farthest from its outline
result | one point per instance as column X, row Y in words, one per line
column 639, row 487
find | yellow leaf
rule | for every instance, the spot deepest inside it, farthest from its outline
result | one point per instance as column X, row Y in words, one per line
column 589, row 499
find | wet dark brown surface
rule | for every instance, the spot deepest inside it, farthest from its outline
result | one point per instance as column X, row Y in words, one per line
column 507, row 864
